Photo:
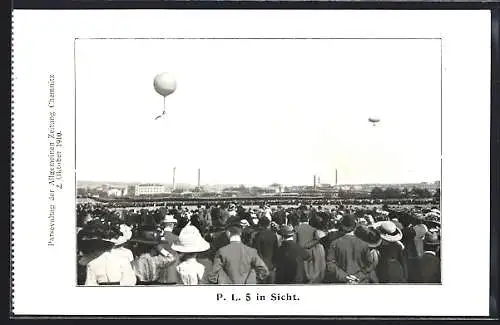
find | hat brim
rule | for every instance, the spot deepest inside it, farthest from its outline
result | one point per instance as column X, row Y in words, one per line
column 95, row 245
column 376, row 244
column 87, row 258
column 433, row 223
column 346, row 229
column 145, row 241
column 201, row 247
column 394, row 238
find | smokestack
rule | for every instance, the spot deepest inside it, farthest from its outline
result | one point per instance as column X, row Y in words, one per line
column 314, row 181
column 199, row 171
column 173, row 180
column 336, row 177
column 319, row 182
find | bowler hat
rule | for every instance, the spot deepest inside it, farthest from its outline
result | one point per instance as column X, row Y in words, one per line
column 146, row 235
column 347, row 223
column 286, row 231
column 431, row 238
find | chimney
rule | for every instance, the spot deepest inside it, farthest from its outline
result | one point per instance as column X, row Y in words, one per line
column 199, row 171
column 314, row 181
column 173, row 181
column 319, row 182
column 336, row 177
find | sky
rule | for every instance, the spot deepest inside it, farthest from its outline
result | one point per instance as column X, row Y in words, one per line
column 256, row 112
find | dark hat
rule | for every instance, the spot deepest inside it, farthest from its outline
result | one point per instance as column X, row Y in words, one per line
column 264, row 222
column 368, row 235
column 303, row 217
column 431, row 239
column 286, row 231
column 146, row 235
column 93, row 245
column 347, row 223
column 233, row 222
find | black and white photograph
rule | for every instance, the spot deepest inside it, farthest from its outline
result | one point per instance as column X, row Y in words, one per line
column 258, row 161
column 250, row 163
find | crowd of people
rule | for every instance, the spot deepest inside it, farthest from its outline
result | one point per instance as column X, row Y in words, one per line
column 233, row 244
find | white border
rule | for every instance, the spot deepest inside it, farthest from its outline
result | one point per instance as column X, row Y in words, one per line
column 44, row 281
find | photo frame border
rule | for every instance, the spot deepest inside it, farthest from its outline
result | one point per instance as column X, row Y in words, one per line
column 494, row 132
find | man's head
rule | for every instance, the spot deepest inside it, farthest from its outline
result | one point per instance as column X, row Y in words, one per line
column 233, row 231
column 264, row 222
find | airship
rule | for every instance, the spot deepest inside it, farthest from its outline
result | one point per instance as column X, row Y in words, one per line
column 373, row 120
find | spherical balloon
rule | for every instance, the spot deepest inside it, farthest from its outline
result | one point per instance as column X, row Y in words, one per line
column 165, row 84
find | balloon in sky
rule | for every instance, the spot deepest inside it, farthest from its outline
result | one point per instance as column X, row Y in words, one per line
column 164, row 84
column 373, row 120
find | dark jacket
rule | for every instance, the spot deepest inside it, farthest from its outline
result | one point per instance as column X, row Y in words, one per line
column 289, row 261
column 266, row 244
column 305, row 234
column 348, row 255
column 237, row 263
column 392, row 267
column 430, row 268
column 217, row 241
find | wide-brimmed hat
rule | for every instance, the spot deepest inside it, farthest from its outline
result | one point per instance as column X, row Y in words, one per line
column 389, row 232
column 190, row 241
column 244, row 223
column 126, row 235
column 397, row 223
column 146, row 235
column 347, row 223
column 91, row 245
column 369, row 235
column 286, row 231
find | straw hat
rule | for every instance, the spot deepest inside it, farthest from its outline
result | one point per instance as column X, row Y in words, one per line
column 389, row 232
column 190, row 241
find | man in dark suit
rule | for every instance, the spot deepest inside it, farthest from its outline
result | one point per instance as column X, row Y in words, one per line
column 430, row 264
column 290, row 258
column 266, row 244
column 348, row 257
column 237, row 263
column 305, row 232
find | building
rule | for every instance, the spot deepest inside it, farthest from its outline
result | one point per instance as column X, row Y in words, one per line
column 114, row 192
column 276, row 188
column 149, row 189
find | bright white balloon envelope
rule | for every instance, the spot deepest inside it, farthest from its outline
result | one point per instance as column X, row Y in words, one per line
column 164, row 84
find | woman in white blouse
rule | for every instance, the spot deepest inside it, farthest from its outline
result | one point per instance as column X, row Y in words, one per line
column 110, row 268
column 189, row 244
column 110, row 264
